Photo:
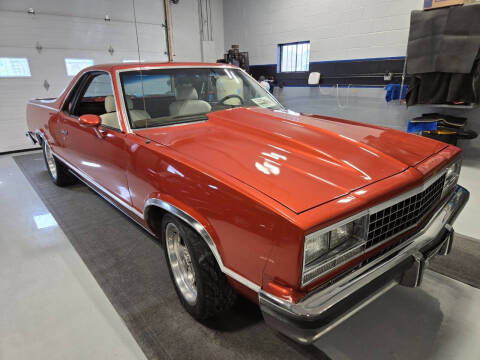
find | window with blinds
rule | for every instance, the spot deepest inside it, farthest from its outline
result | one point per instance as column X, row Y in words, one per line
column 294, row 57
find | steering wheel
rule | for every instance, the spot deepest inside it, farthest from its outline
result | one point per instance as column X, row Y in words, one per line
column 231, row 96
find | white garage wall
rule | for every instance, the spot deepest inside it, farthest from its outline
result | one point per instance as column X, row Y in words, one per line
column 74, row 29
column 186, row 31
column 337, row 29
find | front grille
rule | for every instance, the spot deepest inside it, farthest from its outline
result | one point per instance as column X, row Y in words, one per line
column 404, row 214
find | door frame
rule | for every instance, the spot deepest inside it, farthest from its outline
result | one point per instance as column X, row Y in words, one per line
column 77, row 93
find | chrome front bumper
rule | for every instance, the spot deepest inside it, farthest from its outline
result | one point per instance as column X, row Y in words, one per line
column 322, row 310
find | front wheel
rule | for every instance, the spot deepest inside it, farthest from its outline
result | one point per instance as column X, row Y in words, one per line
column 201, row 286
column 58, row 172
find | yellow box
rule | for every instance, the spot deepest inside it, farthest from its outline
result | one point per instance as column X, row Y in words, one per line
column 434, row 4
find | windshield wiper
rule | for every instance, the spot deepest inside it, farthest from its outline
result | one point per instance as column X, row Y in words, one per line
column 201, row 116
column 179, row 119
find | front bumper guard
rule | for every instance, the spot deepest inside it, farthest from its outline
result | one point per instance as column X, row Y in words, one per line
column 322, row 310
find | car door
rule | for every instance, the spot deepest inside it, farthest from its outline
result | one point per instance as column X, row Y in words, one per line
column 100, row 153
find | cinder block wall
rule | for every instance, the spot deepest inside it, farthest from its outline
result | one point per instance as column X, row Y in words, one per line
column 337, row 30
column 369, row 106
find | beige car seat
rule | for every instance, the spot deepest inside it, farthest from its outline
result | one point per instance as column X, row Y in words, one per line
column 136, row 115
column 229, row 86
column 187, row 102
column 110, row 118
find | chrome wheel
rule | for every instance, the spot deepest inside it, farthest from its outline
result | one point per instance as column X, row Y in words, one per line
column 181, row 263
column 52, row 167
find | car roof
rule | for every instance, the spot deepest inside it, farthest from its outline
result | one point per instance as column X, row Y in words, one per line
column 134, row 65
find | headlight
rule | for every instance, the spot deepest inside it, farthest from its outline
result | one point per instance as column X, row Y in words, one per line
column 452, row 174
column 315, row 246
column 330, row 247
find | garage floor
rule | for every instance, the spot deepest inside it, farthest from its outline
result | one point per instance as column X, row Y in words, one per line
column 53, row 308
column 467, row 222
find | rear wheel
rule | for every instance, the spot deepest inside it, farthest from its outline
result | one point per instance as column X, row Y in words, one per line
column 58, row 172
column 201, row 286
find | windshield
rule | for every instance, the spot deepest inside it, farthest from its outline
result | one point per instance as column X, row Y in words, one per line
column 159, row 97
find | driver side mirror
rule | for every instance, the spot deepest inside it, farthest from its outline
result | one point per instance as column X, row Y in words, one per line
column 90, row 120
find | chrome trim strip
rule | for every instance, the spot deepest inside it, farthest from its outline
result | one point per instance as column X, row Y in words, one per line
column 124, row 116
column 112, row 202
column 100, row 187
column 340, row 223
column 204, row 234
column 153, row 67
column 40, row 134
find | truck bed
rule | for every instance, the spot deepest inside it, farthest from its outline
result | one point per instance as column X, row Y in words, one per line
column 39, row 113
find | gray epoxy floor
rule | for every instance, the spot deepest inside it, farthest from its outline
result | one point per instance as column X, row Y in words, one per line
column 50, row 305
column 52, row 308
column 437, row 321
column 467, row 223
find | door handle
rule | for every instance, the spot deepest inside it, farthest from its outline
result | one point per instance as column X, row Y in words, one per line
column 64, row 132
column 100, row 132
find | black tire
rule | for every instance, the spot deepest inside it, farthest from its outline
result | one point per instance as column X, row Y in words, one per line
column 214, row 293
column 59, row 174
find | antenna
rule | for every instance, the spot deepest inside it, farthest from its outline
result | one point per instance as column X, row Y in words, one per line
column 147, row 140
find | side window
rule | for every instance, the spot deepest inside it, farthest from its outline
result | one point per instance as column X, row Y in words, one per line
column 100, row 86
column 98, row 99
column 70, row 102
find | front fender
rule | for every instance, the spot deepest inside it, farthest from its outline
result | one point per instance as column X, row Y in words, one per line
column 199, row 224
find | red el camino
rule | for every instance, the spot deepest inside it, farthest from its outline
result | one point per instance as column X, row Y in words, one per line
column 312, row 217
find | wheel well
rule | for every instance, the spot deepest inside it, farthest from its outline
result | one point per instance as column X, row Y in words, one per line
column 153, row 214
column 153, row 217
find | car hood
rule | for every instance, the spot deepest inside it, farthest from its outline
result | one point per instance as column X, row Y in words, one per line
column 298, row 160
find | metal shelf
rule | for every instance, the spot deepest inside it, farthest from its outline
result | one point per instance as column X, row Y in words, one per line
column 448, row 106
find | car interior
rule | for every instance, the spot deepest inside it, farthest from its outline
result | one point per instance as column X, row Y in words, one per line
column 190, row 96
column 185, row 101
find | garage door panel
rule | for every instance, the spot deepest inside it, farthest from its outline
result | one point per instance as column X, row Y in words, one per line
column 80, row 33
column 17, row 139
column 50, row 66
column 76, row 33
column 146, row 10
